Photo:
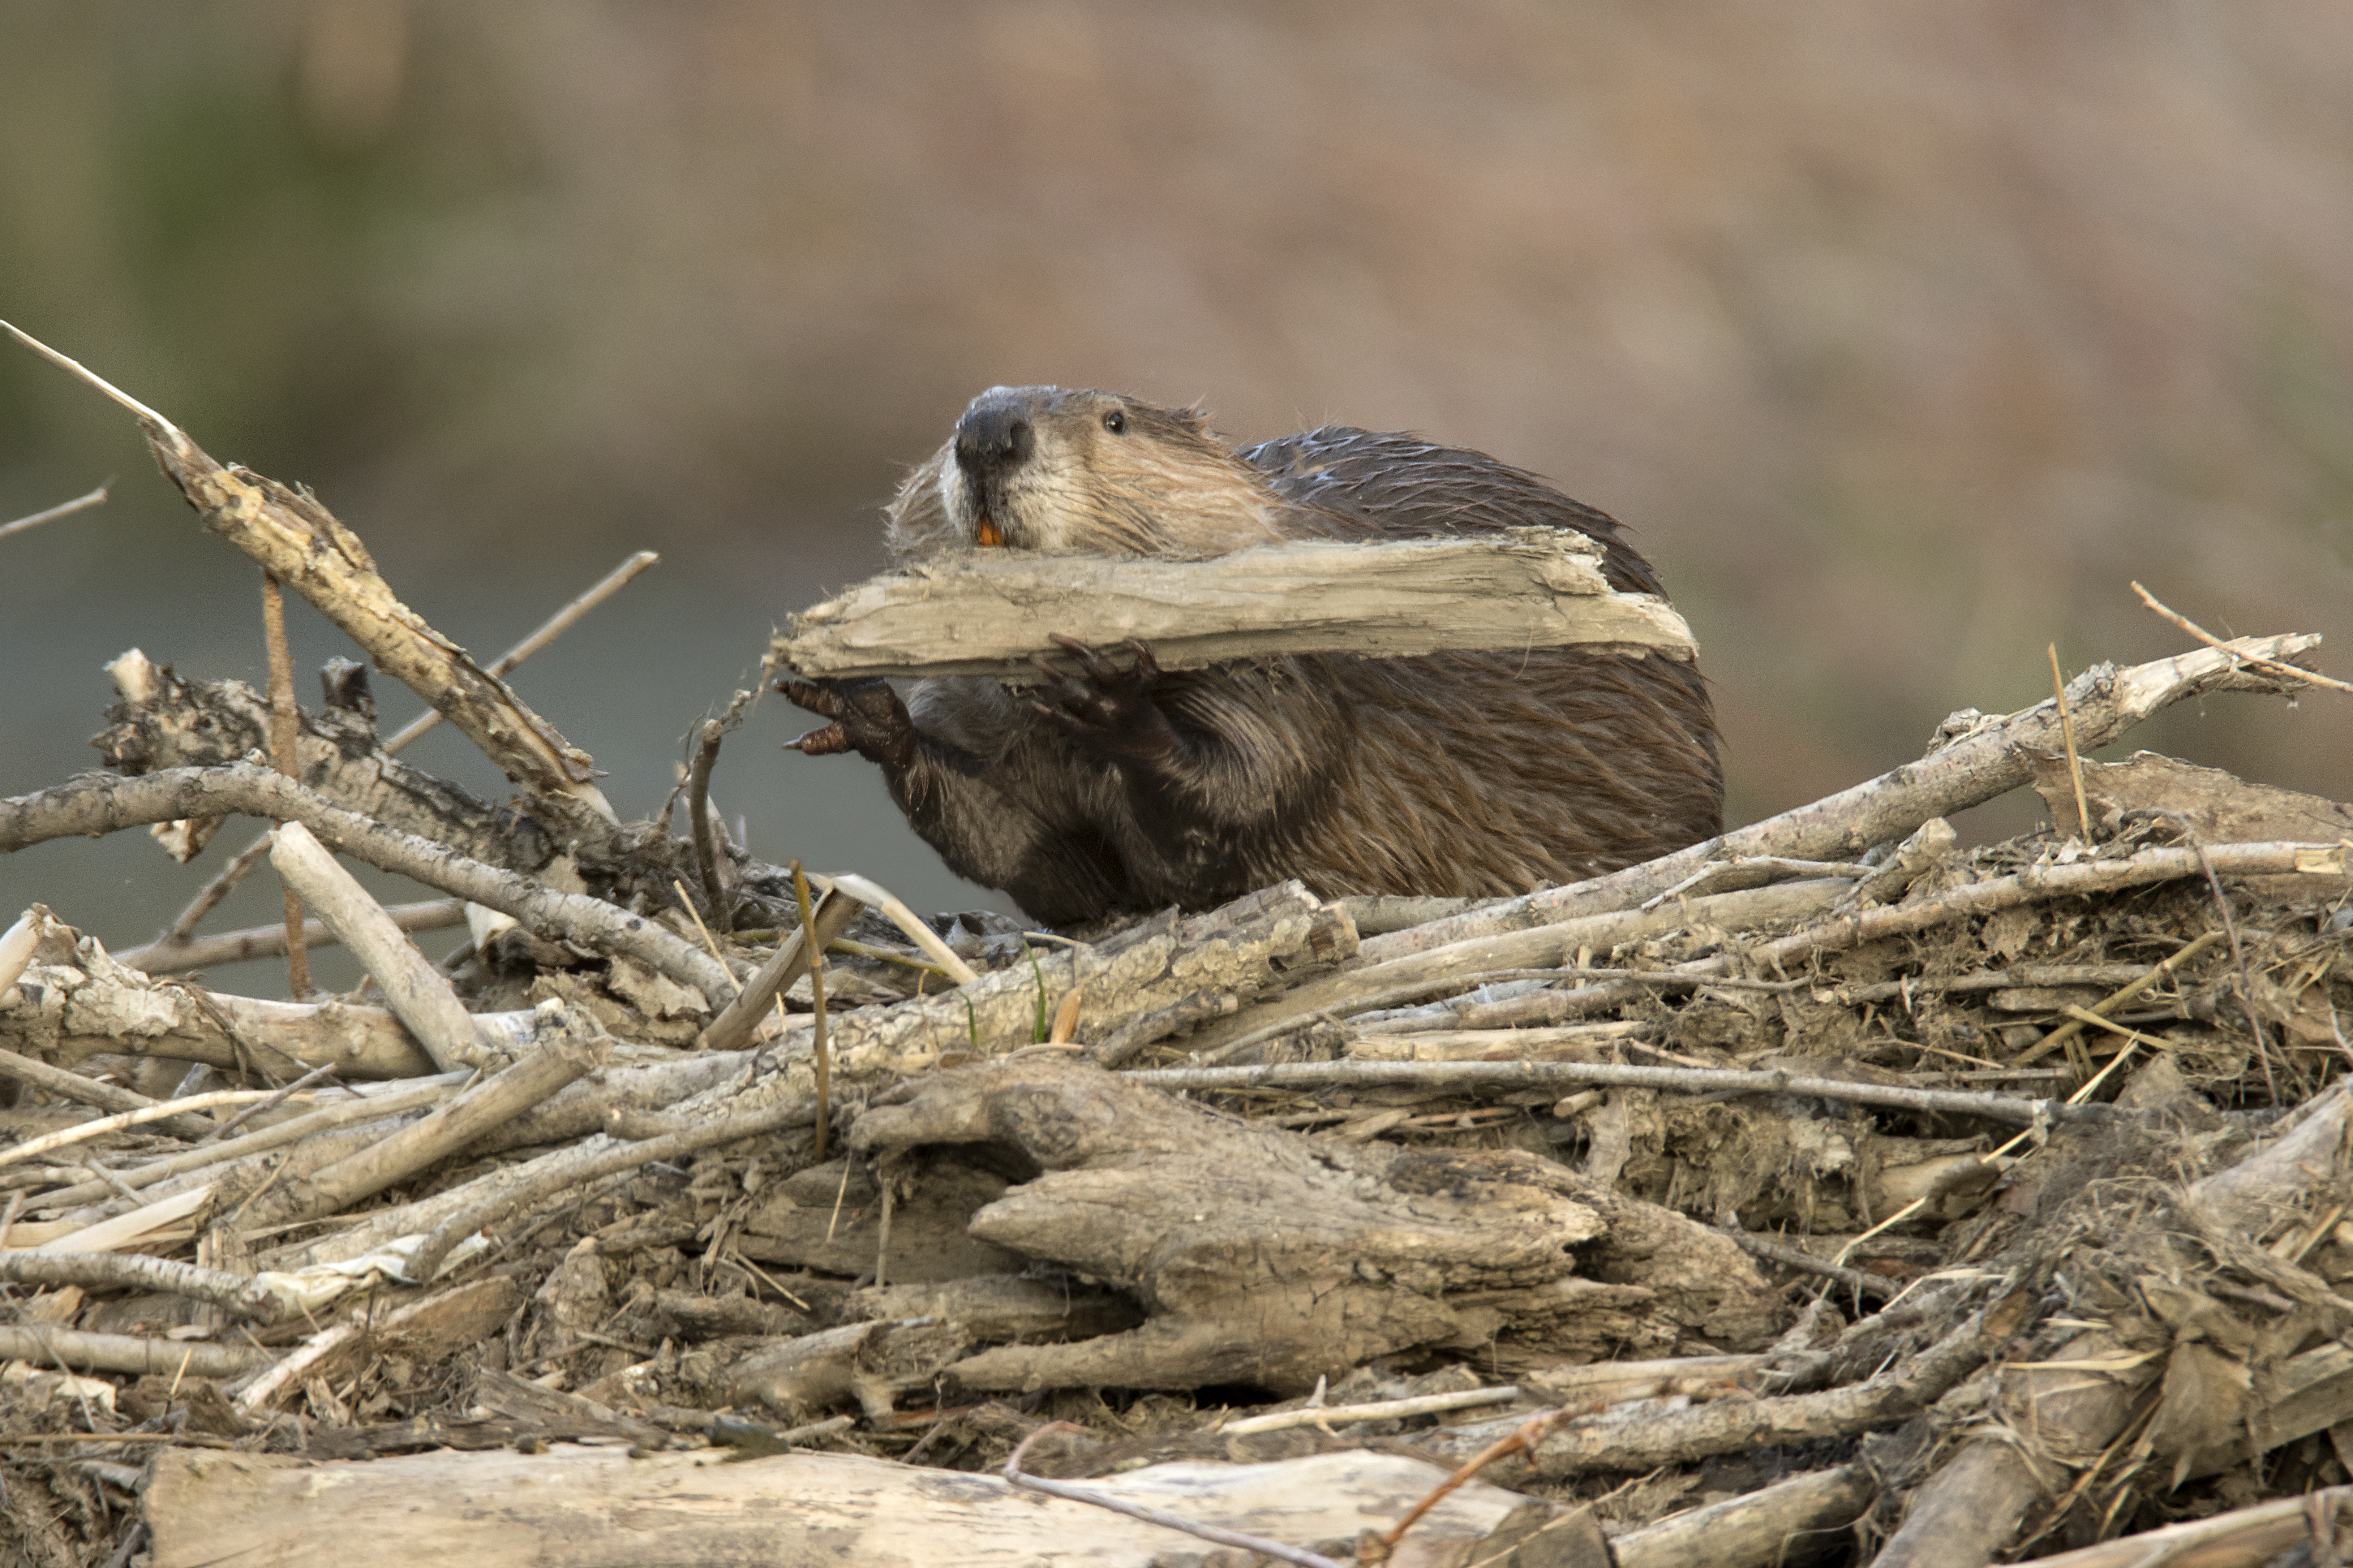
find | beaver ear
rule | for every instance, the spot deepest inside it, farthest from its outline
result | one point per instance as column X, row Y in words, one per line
column 1194, row 417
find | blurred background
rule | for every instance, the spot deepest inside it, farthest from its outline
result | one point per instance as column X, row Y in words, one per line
column 1903, row 336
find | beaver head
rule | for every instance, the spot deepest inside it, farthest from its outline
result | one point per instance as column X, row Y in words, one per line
column 1076, row 472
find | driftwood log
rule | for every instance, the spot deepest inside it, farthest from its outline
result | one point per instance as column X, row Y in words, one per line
column 987, row 613
column 601, row 1508
column 1269, row 1258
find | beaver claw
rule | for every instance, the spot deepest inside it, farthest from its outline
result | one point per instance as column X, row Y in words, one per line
column 867, row 717
column 1111, row 711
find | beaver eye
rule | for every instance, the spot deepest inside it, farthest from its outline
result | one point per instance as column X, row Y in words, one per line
column 1115, row 422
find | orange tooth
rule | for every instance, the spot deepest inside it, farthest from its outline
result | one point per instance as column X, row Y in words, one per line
column 986, row 533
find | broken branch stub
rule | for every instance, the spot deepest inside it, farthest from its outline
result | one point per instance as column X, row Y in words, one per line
column 291, row 535
column 985, row 614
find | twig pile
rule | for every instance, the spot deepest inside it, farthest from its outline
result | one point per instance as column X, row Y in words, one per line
column 1823, row 1191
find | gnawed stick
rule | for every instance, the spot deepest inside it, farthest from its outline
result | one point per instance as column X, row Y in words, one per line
column 417, row 994
column 123, row 1352
column 563, row 1054
column 986, row 612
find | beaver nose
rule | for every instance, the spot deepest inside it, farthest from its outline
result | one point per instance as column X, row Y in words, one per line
column 994, row 437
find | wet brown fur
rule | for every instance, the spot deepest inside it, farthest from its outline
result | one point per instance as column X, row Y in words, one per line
column 1464, row 773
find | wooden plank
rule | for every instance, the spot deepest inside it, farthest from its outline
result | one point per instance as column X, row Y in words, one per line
column 990, row 612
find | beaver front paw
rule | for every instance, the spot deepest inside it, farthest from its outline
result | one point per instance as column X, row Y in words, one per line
column 1110, row 711
column 867, row 717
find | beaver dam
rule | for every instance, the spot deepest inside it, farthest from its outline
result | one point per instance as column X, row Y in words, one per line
column 1822, row 1192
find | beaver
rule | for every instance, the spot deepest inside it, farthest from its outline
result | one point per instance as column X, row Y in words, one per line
column 1113, row 788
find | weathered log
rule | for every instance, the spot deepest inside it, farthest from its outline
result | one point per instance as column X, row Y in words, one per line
column 987, row 613
column 598, row 1507
column 1269, row 1258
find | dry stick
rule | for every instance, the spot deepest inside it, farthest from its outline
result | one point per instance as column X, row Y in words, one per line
column 2106, row 702
column 820, row 1061
column 166, row 957
column 554, row 626
column 1848, row 930
column 209, row 895
column 576, row 1175
column 736, row 1021
column 72, row 1086
column 710, row 943
column 1897, row 1393
column 277, row 1098
column 289, row 532
column 66, row 1137
column 282, row 732
column 1014, row 1474
column 79, row 503
column 418, row 994
column 1762, row 1526
column 122, row 1352
column 1380, row 1410
column 2211, row 640
column 561, row 1056
column 1873, row 1285
column 1755, row 870
column 132, row 1271
column 2078, row 879
column 2067, row 732
column 96, row 803
column 1439, row 1077
column 411, row 1095
column 1515, row 951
